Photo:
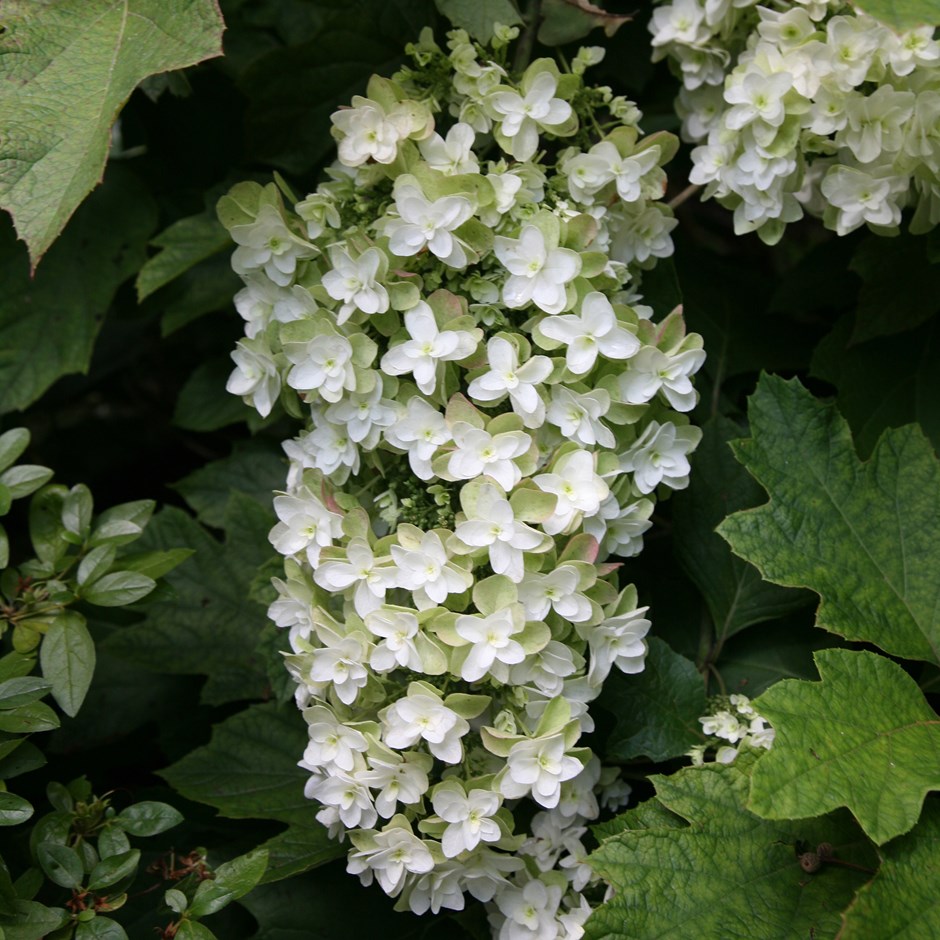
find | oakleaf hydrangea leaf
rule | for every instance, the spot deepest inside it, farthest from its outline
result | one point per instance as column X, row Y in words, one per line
column 728, row 873
column 902, row 14
column 68, row 68
column 862, row 535
column 657, row 711
column 903, row 899
column 863, row 737
column 478, row 16
column 736, row 595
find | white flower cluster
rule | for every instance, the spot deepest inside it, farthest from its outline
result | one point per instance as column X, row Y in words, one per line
column 489, row 414
column 734, row 721
column 806, row 107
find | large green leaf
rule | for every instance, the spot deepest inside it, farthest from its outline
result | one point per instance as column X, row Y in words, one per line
column 900, row 287
column 255, row 468
column 656, row 711
column 478, row 16
column 48, row 323
column 67, row 69
column 249, row 770
column 184, row 244
column 864, row 536
column 863, row 737
column 734, row 591
column 210, row 627
column 903, row 899
column 903, row 14
column 728, row 874
column 907, row 388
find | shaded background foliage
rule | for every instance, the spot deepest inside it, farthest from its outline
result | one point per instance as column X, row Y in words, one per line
column 122, row 387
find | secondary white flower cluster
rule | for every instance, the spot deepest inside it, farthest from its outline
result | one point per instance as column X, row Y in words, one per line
column 806, row 107
column 735, row 721
column 489, row 414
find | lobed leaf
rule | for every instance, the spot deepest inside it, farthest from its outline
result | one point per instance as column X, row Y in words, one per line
column 839, row 744
column 656, row 711
column 70, row 66
column 727, row 873
column 862, row 535
column 903, row 899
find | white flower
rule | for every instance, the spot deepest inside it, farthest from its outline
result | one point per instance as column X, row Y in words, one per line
column 853, row 43
column 425, row 568
column 327, row 448
column 400, row 778
column 425, row 224
column 651, row 371
column 322, row 364
column 620, row 530
column 469, row 815
column 538, row 767
column 529, row 911
column 558, row 591
column 859, row 197
column 595, row 331
column 348, row 795
column 682, row 21
column 331, row 744
column 370, row 575
column 758, row 97
column 420, row 431
column 368, row 132
column 428, row 347
column 363, row 415
column 453, row 154
column 442, row 887
column 724, row 725
column 306, row 525
column 256, row 377
column 660, row 455
column 537, row 274
column 522, row 116
column 639, row 232
column 491, row 639
column 344, row 666
column 354, row 282
column 420, row 715
column 547, row 668
column 578, row 488
column 493, row 524
column 390, row 855
column 268, row 243
column 619, row 642
column 577, row 415
column 478, row 452
column 507, row 377
column 398, row 628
